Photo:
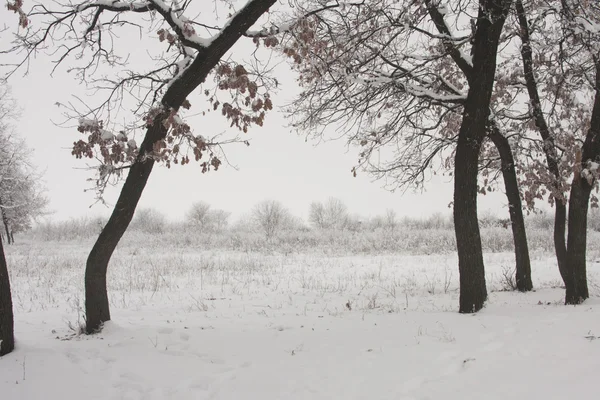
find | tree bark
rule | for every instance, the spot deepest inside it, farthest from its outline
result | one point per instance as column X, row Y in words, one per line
column 96, row 296
column 581, row 188
column 490, row 21
column 515, row 208
column 576, row 284
column 7, row 336
column 473, row 292
column 96, row 303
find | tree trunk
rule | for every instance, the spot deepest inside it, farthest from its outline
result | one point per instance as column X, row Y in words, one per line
column 515, row 208
column 576, row 284
column 473, row 293
column 96, row 296
column 7, row 335
column 97, row 308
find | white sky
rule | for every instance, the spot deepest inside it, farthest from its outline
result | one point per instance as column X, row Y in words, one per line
column 278, row 165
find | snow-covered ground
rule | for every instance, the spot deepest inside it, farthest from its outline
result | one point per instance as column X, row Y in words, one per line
column 189, row 324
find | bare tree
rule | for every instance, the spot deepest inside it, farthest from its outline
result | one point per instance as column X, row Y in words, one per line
column 333, row 214
column 390, row 219
column 21, row 200
column 559, row 55
column 528, row 158
column 219, row 219
column 411, row 84
column 580, row 22
column 149, row 220
column 271, row 216
column 191, row 50
column 201, row 214
column 316, row 215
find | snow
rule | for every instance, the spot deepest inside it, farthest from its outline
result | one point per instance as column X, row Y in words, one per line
column 131, row 5
column 591, row 171
column 88, row 123
column 274, row 29
column 223, row 325
column 178, row 20
column 177, row 119
column 180, row 67
column 467, row 57
column 588, row 25
column 106, row 135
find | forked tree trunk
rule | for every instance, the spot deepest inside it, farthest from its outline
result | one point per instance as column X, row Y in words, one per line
column 7, row 336
column 490, row 21
column 515, row 208
column 96, row 296
column 576, row 284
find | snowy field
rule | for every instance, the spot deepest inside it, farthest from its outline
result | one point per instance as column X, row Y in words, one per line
column 191, row 324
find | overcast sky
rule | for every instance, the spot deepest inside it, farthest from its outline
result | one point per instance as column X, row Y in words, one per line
column 279, row 164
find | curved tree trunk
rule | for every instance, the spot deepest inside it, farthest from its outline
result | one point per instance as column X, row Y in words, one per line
column 97, row 309
column 7, row 336
column 577, row 288
column 490, row 21
column 515, row 208
column 96, row 297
